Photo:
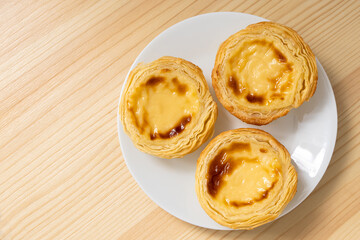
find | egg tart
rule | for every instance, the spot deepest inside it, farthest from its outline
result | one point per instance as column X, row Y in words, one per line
column 166, row 107
column 263, row 71
column 244, row 178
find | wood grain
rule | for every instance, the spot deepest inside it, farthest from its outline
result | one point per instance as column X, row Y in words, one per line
column 62, row 65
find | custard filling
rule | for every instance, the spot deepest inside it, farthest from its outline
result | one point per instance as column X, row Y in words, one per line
column 258, row 73
column 164, row 105
column 243, row 174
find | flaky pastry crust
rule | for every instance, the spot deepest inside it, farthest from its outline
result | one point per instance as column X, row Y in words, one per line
column 246, row 190
column 166, row 107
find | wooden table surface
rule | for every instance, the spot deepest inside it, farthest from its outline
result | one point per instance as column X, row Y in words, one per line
column 62, row 65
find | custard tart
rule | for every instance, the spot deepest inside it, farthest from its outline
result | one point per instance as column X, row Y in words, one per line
column 263, row 71
column 244, row 178
column 166, row 107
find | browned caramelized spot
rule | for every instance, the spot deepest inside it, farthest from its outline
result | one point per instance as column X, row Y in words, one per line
column 153, row 135
column 277, row 96
column 233, row 84
column 264, row 195
column 181, row 88
column 252, row 98
column 222, row 165
column 263, row 150
column 164, row 70
column 289, row 67
column 280, row 57
column 218, row 168
column 154, row 81
column 179, row 127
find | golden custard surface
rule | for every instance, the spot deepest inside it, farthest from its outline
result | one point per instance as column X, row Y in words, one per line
column 259, row 73
column 242, row 174
column 164, row 105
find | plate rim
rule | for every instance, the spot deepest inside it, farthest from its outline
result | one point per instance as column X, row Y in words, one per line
column 119, row 124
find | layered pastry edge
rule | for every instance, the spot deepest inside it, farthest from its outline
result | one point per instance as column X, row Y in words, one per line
column 167, row 85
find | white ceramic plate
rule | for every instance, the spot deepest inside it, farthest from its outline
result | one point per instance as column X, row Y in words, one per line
column 308, row 132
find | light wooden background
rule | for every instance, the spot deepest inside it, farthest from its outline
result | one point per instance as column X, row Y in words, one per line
column 62, row 65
